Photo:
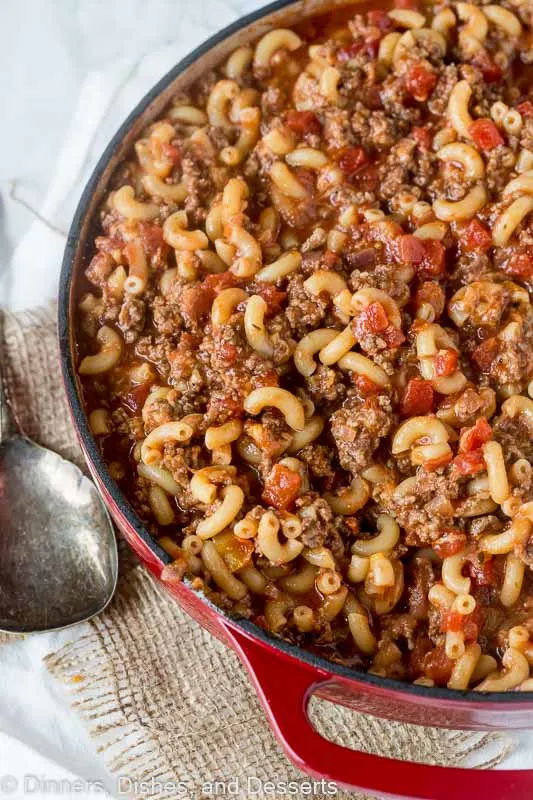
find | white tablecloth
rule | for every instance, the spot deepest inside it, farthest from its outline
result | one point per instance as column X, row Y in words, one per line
column 70, row 72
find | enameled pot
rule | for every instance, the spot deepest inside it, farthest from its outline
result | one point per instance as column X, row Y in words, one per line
column 284, row 676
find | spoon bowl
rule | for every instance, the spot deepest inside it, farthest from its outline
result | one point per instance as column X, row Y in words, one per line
column 58, row 554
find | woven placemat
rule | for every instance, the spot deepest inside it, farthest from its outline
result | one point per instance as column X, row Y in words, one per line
column 171, row 708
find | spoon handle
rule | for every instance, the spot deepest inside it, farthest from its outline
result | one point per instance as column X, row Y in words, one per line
column 8, row 427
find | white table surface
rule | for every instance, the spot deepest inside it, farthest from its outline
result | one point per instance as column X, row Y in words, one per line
column 59, row 60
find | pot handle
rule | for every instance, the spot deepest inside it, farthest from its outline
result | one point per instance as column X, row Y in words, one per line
column 285, row 684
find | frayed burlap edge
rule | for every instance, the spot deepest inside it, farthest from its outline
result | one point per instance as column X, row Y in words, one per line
column 167, row 702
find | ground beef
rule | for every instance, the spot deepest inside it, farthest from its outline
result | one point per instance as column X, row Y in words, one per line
column 357, row 428
column 326, row 387
column 157, row 350
column 395, row 172
column 337, row 128
column 499, row 166
column 471, row 404
column 426, row 509
column 384, row 276
column 526, row 135
column 471, row 266
column 199, row 187
column 438, row 102
column 316, row 239
column 273, row 101
column 374, row 128
column 306, row 94
column 166, row 316
column 515, row 436
column 318, row 458
column 180, row 463
column 304, row 311
column 100, row 269
column 132, row 317
column 398, row 627
column 317, row 519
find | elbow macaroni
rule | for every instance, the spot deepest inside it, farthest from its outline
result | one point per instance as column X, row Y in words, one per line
column 305, row 350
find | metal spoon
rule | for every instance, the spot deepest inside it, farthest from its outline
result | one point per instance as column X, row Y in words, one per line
column 58, row 553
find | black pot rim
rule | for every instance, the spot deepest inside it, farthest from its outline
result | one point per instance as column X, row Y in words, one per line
column 81, row 421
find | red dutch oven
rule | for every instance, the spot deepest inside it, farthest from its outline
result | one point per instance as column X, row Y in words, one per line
column 284, row 675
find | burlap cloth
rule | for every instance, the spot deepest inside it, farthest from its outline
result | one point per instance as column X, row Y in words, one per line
column 165, row 701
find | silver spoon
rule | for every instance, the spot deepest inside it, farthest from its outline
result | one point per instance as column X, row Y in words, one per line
column 58, row 553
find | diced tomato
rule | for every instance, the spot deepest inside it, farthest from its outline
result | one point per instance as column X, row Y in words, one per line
column 152, row 238
column 438, row 666
column 172, row 153
column 273, row 297
column 219, row 281
column 418, row 398
column 427, row 255
column 470, row 463
column 365, row 386
column 450, row 543
column 520, row 265
column 434, row 262
column 422, row 137
column 491, row 72
column 413, row 5
column 445, row 363
column 302, row 122
column 525, row 108
column 431, row 292
column 469, row 624
column 485, row 134
column 393, row 336
column 380, row 19
column 420, row 82
column 475, row 236
column 375, row 318
column 412, row 249
column 476, row 436
column 351, row 160
column 481, row 569
column 452, row 621
column 281, row 487
column 485, row 353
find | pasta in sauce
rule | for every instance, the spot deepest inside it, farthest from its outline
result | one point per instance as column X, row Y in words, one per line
column 306, row 338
